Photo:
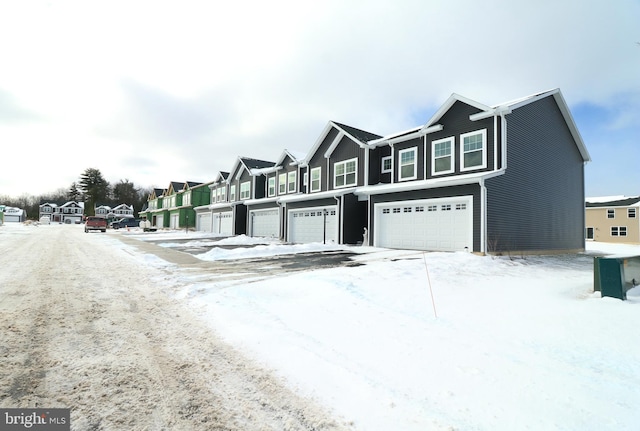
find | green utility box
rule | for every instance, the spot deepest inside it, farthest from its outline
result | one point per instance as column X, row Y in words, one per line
column 614, row 276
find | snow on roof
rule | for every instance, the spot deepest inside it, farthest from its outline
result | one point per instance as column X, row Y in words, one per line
column 617, row 201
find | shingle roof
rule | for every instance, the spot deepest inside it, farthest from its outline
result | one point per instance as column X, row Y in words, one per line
column 361, row 135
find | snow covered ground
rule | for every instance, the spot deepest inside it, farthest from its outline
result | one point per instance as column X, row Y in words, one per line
column 505, row 344
column 435, row 341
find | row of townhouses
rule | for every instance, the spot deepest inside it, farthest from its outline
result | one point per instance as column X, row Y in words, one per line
column 474, row 177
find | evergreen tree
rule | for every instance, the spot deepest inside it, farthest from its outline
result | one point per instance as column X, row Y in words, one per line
column 74, row 194
column 95, row 189
column 125, row 192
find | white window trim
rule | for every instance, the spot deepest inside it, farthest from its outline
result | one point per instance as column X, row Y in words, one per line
column 291, row 176
column 382, row 169
column 269, row 181
column 232, row 192
column 483, row 132
column 452, row 156
column 282, row 183
column 613, row 212
column 415, row 164
column 248, row 191
column 319, row 170
column 344, row 162
column 633, row 211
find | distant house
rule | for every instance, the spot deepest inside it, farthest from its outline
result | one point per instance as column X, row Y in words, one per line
column 155, row 212
column 613, row 219
column 14, row 215
column 68, row 212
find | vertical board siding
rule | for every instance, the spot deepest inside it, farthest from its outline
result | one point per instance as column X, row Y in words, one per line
column 538, row 204
column 346, row 150
column 318, row 159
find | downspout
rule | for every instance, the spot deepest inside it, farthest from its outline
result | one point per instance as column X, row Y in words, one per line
column 483, row 216
column 393, row 165
column 281, row 219
column 340, row 202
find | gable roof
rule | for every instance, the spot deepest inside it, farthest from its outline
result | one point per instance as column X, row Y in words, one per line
column 564, row 109
column 489, row 111
column 249, row 164
column 616, row 201
column 360, row 137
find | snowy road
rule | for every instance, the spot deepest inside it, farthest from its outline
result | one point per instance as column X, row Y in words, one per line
column 85, row 327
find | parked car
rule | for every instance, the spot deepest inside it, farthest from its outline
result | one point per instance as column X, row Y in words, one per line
column 125, row 222
column 95, row 223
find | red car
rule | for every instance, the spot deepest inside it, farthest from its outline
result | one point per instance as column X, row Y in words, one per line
column 95, row 223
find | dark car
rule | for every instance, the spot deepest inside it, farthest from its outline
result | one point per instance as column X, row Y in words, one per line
column 125, row 222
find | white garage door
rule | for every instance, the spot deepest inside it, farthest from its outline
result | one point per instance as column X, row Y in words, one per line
column 223, row 223
column 265, row 223
column 444, row 224
column 174, row 221
column 160, row 221
column 203, row 222
column 313, row 225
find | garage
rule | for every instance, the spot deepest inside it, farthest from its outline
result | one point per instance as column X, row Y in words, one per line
column 159, row 220
column 265, row 223
column 203, row 222
column 223, row 223
column 313, row 225
column 174, row 221
column 443, row 224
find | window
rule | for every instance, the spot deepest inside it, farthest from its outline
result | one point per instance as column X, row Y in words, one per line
column 272, row 186
column 386, row 164
column 442, row 156
column 461, row 206
column 305, row 179
column 611, row 213
column 631, row 212
column 419, row 209
column 432, row 208
column 618, row 231
column 232, row 192
column 473, row 153
column 291, row 181
column 408, row 164
column 385, row 211
column 282, row 183
column 186, row 199
column 315, row 179
column 223, row 193
column 446, row 208
column 245, row 190
column 406, row 209
column 396, row 210
column 345, row 173
column 219, row 194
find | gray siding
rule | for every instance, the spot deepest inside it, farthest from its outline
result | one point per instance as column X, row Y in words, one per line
column 456, row 122
column 318, row 159
column 444, row 192
column 538, row 204
column 346, row 150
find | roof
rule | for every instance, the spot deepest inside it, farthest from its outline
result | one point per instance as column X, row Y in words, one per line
column 358, row 136
column 489, row 111
column 616, row 201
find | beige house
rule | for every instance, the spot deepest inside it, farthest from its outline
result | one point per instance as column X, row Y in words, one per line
column 613, row 219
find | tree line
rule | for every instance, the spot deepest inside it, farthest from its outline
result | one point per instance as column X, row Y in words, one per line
column 91, row 188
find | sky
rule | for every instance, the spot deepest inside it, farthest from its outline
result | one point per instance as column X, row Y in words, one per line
column 154, row 92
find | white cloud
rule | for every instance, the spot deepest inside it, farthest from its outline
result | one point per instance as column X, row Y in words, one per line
column 189, row 86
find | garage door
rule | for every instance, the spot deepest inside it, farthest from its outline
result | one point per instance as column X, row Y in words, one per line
column 313, row 225
column 160, row 221
column 265, row 223
column 203, row 222
column 444, row 224
column 174, row 221
column 223, row 223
